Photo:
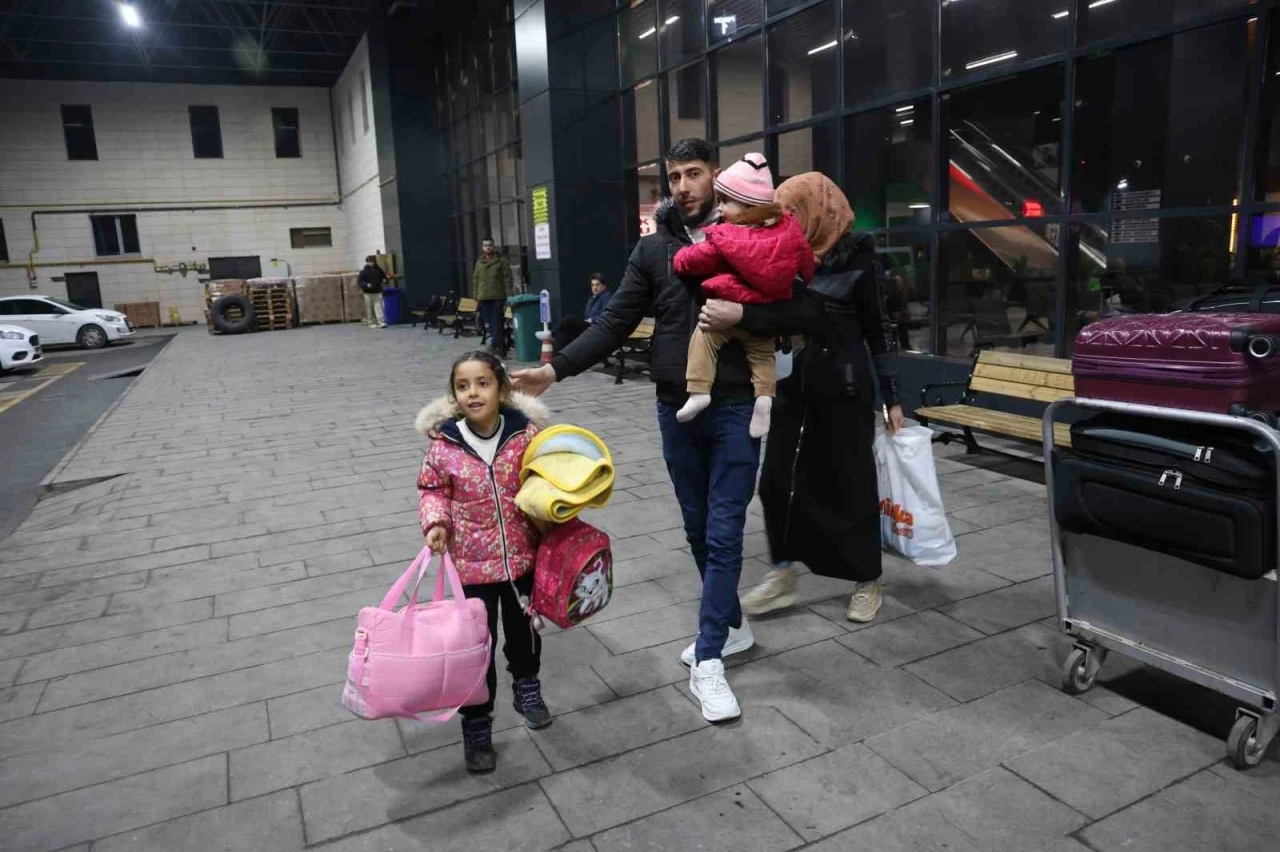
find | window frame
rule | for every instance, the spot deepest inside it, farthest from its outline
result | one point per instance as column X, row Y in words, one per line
column 4, row 245
column 91, row 151
column 123, row 228
column 299, row 237
column 212, row 131
column 278, row 116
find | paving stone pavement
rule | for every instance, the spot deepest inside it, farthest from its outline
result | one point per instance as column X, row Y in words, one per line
column 175, row 617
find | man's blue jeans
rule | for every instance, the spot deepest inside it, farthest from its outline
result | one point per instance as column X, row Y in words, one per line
column 712, row 462
column 491, row 314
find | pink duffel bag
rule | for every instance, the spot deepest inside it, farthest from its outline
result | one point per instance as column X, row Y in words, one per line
column 573, row 577
column 423, row 661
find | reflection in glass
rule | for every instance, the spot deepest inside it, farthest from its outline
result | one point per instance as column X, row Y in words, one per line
column 905, row 288
column 637, row 42
column 1159, row 124
column 774, row 7
column 738, row 89
column 998, row 290
column 507, row 173
column 640, row 119
column 980, row 37
column 1267, row 177
column 887, row 47
column 811, row 149
column 728, row 18
column 730, row 154
column 1145, row 266
column 495, row 225
column 1108, row 18
column 647, row 196
column 686, row 102
column 510, row 225
column 1003, row 142
column 803, row 56
column 681, row 31
column 888, row 165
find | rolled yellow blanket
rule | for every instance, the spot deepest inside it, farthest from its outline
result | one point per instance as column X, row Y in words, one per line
column 565, row 469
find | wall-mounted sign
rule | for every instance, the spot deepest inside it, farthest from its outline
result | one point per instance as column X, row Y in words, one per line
column 541, row 224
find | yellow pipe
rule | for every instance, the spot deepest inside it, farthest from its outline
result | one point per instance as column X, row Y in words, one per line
column 103, row 261
column 328, row 199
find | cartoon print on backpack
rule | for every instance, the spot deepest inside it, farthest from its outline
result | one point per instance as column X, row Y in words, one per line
column 594, row 587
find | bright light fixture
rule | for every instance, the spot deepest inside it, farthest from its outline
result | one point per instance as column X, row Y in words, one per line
column 1123, row 184
column 918, row 206
column 672, row 19
column 648, row 32
column 130, row 16
column 1096, row 3
column 991, row 60
column 908, row 122
column 1060, row 15
column 823, row 47
column 907, row 108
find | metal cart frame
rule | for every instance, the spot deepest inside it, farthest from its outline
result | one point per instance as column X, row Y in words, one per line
column 1242, row 627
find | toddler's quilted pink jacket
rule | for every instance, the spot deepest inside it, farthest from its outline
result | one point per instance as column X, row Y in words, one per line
column 490, row 539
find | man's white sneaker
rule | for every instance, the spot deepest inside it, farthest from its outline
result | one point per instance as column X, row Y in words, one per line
column 708, row 685
column 740, row 639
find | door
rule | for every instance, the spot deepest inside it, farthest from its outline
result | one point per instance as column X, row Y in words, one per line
column 245, row 267
column 82, row 290
column 42, row 318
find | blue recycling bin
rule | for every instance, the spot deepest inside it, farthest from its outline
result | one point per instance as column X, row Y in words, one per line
column 524, row 326
column 392, row 305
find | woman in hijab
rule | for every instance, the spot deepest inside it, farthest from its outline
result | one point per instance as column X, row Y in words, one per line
column 818, row 482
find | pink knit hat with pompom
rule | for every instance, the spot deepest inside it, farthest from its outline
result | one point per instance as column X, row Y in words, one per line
column 748, row 181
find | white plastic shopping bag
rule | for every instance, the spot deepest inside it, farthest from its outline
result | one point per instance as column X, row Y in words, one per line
column 912, row 519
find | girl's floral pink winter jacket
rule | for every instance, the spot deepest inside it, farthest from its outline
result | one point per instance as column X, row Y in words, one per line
column 488, row 535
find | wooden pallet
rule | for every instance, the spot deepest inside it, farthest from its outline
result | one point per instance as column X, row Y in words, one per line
column 141, row 314
column 272, row 307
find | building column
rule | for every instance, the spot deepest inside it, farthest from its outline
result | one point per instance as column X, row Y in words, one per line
column 567, row 69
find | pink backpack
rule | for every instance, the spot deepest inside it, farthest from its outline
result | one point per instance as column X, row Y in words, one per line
column 423, row 659
column 573, row 578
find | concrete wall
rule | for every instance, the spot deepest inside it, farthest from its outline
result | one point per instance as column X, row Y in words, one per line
column 145, row 160
column 357, row 144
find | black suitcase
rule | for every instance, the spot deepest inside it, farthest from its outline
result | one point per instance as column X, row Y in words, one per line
column 1203, row 495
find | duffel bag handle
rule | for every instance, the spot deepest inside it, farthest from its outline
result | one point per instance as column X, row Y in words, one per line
column 414, row 574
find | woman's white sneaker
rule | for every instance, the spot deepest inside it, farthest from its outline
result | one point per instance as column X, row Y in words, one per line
column 708, row 685
column 866, row 601
column 740, row 639
column 777, row 591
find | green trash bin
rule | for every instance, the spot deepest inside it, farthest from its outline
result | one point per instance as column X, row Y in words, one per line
column 524, row 326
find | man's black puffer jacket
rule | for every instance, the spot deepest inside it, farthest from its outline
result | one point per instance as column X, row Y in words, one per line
column 650, row 288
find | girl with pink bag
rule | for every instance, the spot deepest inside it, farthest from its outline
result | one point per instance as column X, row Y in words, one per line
column 468, row 485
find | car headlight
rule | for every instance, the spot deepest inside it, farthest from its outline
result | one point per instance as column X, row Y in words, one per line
column 114, row 319
column 12, row 335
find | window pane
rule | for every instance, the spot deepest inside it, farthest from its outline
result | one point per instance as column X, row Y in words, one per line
column 979, row 37
column 105, row 240
column 129, row 234
column 310, row 238
column 489, row 126
column 1268, row 169
column 1099, row 20
column 644, row 193
column 206, row 134
column 803, row 54
column 738, row 90
column 640, row 119
column 4, row 247
column 506, row 118
column 284, row 122
column 729, row 17
column 637, row 47
column 686, row 102
column 495, row 225
column 888, row 165
column 730, row 154
column 507, row 173
column 681, row 33
column 998, row 290
column 511, row 225
column 774, row 7
column 887, row 47
column 1151, row 266
column 77, row 128
column 1159, row 124
column 1003, row 140
column 812, row 149
column 905, row 289
column 492, row 184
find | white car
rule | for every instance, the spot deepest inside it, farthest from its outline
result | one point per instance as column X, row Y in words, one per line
column 18, row 348
column 57, row 321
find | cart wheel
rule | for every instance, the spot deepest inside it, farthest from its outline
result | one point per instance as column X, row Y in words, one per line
column 1242, row 744
column 1076, row 676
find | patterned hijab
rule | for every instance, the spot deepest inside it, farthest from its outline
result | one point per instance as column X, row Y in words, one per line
column 819, row 206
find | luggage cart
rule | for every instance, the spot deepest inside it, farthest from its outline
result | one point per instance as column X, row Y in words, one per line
column 1219, row 631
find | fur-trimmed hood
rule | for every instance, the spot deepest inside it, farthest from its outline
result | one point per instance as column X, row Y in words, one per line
column 445, row 409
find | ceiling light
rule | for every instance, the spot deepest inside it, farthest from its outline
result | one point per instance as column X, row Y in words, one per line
column 908, row 122
column 130, row 15
column 907, row 108
column 918, row 206
column 991, row 60
column 823, row 47
column 1096, row 3
column 648, row 32
column 672, row 19
column 1060, row 15
column 1123, row 184
column 1057, row 119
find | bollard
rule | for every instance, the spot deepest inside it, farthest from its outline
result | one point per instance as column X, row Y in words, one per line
column 547, row 350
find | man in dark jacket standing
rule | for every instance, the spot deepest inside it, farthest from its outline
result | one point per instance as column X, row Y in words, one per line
column 491, row 283
column 370, row 281
column 711, row 460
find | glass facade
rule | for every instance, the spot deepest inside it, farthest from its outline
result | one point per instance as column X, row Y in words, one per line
column 476, row 86
column 1026, row 167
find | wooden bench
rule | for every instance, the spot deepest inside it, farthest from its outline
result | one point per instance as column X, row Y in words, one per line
column 1025, row 377
column 462, row 320
column 637, row 346
column 508, row 331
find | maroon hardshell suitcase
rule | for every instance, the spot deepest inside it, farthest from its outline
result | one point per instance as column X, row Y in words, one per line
column 1228, row 363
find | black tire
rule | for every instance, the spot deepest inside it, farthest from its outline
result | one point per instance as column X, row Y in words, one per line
column 91, row 337
column 232, row 314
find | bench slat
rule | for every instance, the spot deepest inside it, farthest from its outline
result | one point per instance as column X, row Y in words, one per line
column 996, row 422
column 1038, row 378
column 1024, row 362
column 468, row 306
column 1039, row 394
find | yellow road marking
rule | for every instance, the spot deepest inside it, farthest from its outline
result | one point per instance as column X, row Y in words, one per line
column 53, row 371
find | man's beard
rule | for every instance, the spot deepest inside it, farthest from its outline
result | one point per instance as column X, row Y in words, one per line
column 698, row 219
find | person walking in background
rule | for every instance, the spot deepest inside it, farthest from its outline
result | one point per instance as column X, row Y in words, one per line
column 818, row 484
column 371, row 281
column 491, row 284
column 599, row 300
